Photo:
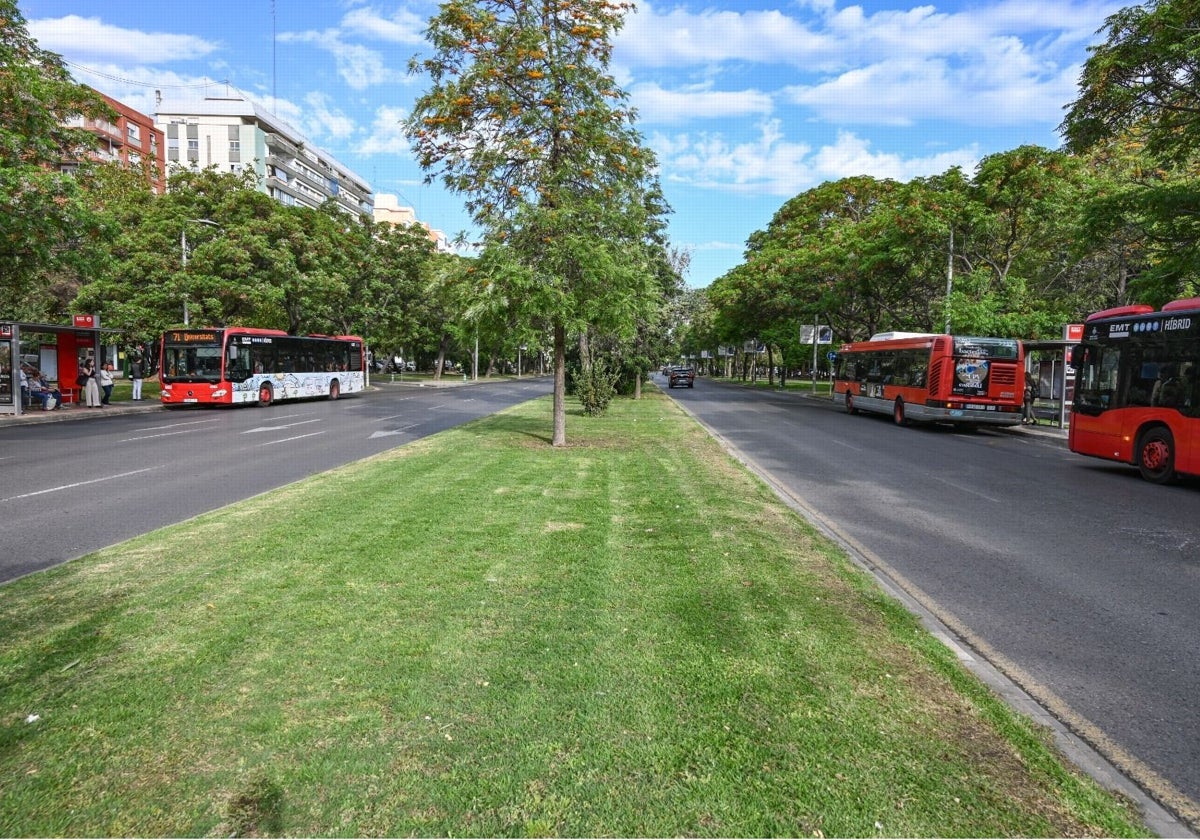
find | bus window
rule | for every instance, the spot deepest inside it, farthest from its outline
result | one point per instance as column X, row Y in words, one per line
column 237, row 365
column 1096, row 382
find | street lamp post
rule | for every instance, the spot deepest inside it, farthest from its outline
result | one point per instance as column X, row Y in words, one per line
column 183, row 251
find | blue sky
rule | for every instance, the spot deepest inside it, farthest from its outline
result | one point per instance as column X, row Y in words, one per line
column 746, row 104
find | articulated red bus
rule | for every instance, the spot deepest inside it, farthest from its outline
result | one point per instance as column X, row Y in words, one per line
column 226, row 366
column 931, row 378
column 1137, row 389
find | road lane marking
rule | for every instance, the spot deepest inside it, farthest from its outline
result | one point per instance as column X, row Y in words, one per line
column 962, row 489
column 285, row 440
column 76, row 484
column 160, row 434
column 399, row 431
column 174, row 425
column 281, row 428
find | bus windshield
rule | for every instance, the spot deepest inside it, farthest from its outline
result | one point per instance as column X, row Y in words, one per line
column 192, row 363
column 986, row 348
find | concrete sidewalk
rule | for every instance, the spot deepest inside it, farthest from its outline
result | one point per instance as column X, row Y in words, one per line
column 79, row 412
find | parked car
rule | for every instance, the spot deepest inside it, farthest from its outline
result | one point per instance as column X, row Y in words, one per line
column 681, row 376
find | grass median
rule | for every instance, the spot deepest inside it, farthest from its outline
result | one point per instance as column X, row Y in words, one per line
column 478, row 634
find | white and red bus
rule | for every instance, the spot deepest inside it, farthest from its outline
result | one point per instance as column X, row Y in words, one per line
column 232, row 365
column 1137, row 389
column 933, row 378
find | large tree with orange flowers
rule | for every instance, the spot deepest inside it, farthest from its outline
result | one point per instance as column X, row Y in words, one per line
column 522, row 118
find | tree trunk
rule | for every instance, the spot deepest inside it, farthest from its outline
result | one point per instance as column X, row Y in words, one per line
column 637, row 386
column 560, row 385
column 585, row 350
column 441, row 357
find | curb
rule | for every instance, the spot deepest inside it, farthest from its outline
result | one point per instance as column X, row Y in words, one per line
column 77, row 412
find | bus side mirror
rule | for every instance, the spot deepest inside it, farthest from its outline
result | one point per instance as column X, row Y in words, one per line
column 1075, row 357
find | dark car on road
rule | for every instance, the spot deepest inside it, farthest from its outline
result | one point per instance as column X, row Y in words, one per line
column 681, row 376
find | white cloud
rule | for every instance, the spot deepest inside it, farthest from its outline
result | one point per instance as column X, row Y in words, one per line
column 360, row 67
column 403, row 27
column 325, row 120
column 91, row 38
column 1008, row 63
column 770, row 164
column 906, row 91
column 679, row 38
column 387, row 133
column 657, row 105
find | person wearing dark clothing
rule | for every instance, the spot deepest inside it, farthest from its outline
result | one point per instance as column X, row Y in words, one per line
column 1031, row 393
column 137, row 370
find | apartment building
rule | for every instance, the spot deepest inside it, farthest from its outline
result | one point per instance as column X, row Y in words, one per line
column 133, row 141
column 388, row 209
column 233, row 134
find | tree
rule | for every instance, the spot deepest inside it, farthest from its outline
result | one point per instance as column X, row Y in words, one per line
column 44, row 229
column 1140, row 89
column 523, row 119
column 1145, row 78
column 1014, row 253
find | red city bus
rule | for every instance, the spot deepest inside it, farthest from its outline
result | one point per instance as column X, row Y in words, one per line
column 232, row 365
column 932, row 378
column 1137, row 389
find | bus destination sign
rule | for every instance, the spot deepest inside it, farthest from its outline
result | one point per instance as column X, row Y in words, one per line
column 193, row 337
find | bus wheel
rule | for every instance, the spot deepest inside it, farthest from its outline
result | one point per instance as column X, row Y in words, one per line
column 850, row 409
column 898, row 413
column 335, row 390
column 1156, row 456
column 265, row 394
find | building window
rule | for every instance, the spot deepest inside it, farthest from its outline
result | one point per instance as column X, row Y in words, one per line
column 193, row 149
column 134, row 132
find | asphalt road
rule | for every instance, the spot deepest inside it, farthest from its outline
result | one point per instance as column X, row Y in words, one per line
column 1079, row 577
column 71, row 488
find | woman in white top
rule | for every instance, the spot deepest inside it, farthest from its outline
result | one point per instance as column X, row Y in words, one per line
column 106, row 384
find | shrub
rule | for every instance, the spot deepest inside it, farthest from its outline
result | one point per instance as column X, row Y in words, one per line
column 595, row 386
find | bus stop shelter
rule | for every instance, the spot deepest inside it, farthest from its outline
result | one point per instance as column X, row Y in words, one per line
column 1049, row 362
column 55, row 349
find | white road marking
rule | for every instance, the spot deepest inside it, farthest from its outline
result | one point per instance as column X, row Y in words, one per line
column 285, row 440
column 280, row 428
column 76, row 484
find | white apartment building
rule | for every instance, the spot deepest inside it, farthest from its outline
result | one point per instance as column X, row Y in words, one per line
column 234, row 134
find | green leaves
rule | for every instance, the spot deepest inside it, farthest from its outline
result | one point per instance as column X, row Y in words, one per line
column 46, row 232
column 523, row 119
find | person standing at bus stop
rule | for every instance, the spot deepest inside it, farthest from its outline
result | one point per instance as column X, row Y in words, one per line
column 105, row 379
column 1028, row 418
column 137, row 370
column 91, row 388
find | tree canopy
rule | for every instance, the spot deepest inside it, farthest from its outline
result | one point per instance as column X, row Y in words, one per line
column 524, row 120
column 46, row 232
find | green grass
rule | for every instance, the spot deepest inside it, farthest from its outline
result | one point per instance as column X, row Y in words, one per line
column 480, row 635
